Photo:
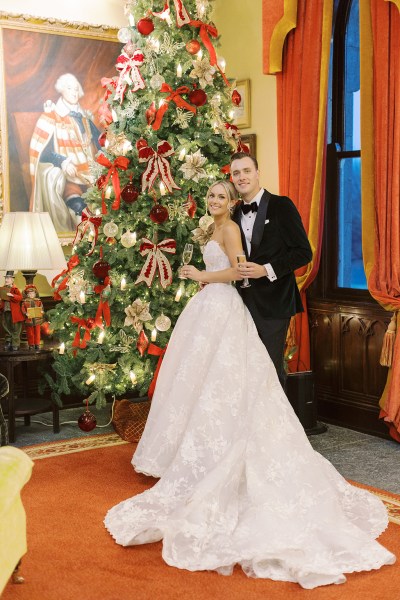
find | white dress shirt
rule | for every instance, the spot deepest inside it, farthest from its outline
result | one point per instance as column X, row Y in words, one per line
column 247, row 223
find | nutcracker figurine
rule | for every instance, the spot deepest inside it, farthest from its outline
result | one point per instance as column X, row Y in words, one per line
column 12, row 317
column 32, row 308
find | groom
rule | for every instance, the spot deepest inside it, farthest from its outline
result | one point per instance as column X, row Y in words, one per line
column 275, row 244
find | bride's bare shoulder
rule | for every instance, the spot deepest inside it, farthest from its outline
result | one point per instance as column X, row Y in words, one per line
column 231, row 229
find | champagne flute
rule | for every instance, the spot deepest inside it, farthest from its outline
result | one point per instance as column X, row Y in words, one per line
column 186, row 256
column 241, row 258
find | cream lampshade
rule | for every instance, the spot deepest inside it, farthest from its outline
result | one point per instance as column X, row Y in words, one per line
column 29, row 243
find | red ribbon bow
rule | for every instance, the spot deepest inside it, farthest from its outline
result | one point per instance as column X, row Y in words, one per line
column 71, row 264
column 205, row 31
column 91, row 223
column 85, row 324
column 182, row 15
column 121, row 162
column 157, row 164
column 129, row 73
column 175, row 96
column 103, row 310
column 156, row 259
column 155, row 351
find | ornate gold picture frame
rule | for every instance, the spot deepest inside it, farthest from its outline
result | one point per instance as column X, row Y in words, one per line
column 250, row 139
column 34, row 54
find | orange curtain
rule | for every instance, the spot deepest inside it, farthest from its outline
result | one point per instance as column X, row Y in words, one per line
column 302, row 98
column 380, row 71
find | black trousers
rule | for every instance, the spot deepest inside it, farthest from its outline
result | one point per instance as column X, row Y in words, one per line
column 272, row 333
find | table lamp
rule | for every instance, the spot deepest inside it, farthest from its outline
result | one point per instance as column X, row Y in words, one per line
column 29, row 243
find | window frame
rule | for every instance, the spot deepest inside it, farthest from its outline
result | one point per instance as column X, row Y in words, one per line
column 327, row 284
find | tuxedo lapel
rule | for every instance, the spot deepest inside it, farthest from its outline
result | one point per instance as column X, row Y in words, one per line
column 259, row 223
column 237, row 217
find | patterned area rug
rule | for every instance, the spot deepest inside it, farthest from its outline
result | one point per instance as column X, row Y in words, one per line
column 391, row 501
column 80, row 444
column 49, row 449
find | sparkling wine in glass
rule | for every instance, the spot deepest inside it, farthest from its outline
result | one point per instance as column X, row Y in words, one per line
column 186, row 256
column 241, row 258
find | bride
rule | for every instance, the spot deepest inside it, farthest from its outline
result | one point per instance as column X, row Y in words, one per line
column 239, row 480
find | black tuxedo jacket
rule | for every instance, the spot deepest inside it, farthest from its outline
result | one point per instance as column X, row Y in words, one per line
column 278, row 238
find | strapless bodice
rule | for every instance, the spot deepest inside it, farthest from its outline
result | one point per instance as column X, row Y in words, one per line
column 214, row 257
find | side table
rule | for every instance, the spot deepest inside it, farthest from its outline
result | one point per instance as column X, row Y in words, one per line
column 26, row 405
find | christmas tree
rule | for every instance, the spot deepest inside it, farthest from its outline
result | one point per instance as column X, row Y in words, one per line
column 168, row 135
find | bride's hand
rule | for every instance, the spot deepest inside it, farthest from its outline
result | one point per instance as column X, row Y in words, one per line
column 191, row 272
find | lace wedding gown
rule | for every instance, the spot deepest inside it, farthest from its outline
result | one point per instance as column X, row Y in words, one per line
column 240, row 482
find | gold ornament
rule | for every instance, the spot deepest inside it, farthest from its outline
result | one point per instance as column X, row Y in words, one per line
column 202, row 234
column 163, row 323
column 136, row 314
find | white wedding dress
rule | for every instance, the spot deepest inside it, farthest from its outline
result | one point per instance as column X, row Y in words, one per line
column 240, row 482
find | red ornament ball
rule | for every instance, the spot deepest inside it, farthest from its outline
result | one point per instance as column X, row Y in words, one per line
column 111, row 241
column 129, row 193
column 193, row 46
column 236, row 98
column 87, row 421
column 101, row 181
column 159, row 214
column 145, row 26
column 141, row 143
column 100, row 269
column 198, row 97
column 46, row 330
column 102, row 138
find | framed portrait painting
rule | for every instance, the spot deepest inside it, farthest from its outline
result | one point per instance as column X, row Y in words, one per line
column 50, row 76
column 242, row 116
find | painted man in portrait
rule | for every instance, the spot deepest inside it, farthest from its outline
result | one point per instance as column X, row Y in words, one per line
column 63, row 145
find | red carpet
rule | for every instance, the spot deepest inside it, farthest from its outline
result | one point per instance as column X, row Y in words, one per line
column 72, row 557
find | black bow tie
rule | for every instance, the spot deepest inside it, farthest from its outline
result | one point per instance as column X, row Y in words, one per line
column 246, row 208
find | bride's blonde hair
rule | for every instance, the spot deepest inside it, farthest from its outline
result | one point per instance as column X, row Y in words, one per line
column 230, row 191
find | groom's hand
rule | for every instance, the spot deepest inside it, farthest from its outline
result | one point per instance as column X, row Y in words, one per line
column 252, row 270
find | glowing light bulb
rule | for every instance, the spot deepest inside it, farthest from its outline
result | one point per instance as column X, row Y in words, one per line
column 161, row 102
column 82, row 297
column 231, row 114
column 97, row 212
column 182, row 154
column 163, row 189
column 61, row 349
column 222, row 64
column 123, row 283
column 179, row 70
column 178, row 294
column 90, row 379
column 114, row 115
column 108, row 192
column 200, row 54
column 132, row 377
column 126, row 147
column 154, row 335
column 100, row 339
column 131, row 20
